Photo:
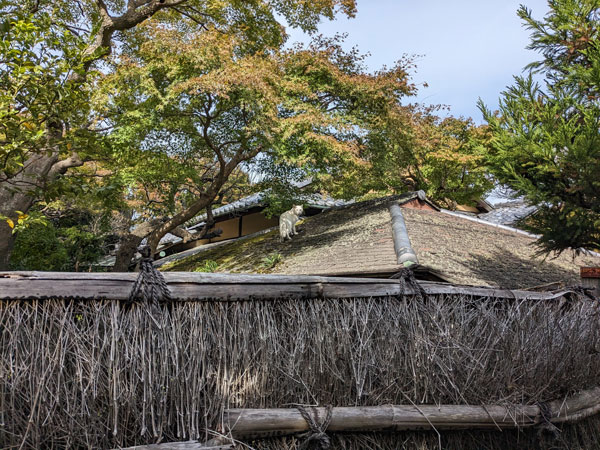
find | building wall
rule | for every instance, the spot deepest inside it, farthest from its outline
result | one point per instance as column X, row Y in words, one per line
column 257, row 222
column 230, row 227
column 251, row 223
column 467, row 208
column 590, row 277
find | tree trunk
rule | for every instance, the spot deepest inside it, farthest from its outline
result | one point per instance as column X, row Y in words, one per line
column 179, row 219
column 157, row 228
column 18, row 194
column 7, row 240
column 127, row 248
column 205, row 200
column 129, row 242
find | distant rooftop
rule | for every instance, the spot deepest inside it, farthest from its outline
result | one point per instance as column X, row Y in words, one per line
column 254, row 200
column 245, row 204
column 508, row 213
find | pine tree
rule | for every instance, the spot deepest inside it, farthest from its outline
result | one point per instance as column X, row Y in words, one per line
column 546, row 136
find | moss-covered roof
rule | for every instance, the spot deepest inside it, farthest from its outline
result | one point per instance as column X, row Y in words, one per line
column 353, row 239
column 357, row 240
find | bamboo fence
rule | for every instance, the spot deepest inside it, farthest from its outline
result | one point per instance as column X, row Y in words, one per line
column 81, row 368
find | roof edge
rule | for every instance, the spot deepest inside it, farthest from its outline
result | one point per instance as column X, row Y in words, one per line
column 492, row 224
column 416, row 195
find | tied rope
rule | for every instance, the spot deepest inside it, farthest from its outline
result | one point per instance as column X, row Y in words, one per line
column 317, row 436
column 407, row 279
column 583, row 291
column 546, row 424
column 150, row 285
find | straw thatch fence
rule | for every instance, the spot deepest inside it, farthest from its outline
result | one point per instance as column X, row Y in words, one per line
column 80, row 368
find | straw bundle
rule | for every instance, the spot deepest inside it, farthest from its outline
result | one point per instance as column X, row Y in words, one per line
column 100, row 374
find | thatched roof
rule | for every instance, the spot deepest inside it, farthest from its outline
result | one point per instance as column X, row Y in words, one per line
column 469, row 252
column 357, row 240
column 335, row 242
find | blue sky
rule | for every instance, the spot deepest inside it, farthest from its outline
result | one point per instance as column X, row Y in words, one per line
column 470, row 48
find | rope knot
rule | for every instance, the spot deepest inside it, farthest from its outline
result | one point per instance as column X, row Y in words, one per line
column 406, row 278
column 317, row 436
column 545, row 420
column 150, row 285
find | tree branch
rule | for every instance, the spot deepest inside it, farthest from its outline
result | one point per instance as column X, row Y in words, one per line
column 61, row 167
column 135, row 14
column 192, row 18
column 183, row 234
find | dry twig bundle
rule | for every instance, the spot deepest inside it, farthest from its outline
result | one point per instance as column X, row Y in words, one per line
column 102, row 374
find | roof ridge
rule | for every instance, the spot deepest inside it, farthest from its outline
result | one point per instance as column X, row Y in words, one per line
column 405, row 254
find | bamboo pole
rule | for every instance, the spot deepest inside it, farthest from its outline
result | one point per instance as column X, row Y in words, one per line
column 251, row 423
column 256, row 422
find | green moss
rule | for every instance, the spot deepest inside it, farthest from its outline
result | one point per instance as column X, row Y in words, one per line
column 246, row 255
column 209, row 266
column 343, row 227
column 270, row 261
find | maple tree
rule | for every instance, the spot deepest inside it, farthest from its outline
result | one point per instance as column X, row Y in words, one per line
column 79, row 34
column 164, row 107
column 205, row 106
column 413, row 148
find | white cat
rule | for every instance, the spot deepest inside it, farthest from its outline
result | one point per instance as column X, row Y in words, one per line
column 287, row 222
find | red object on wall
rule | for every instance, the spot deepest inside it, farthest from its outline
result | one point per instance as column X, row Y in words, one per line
column 415, row 203
column 590, row 272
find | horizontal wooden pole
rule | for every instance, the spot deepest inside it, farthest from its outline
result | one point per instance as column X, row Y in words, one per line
column 213, row 444
column 242, row 423
column 218, row 286
column 249, row 423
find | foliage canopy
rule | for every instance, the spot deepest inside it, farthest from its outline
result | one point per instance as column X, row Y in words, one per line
column 195, row 108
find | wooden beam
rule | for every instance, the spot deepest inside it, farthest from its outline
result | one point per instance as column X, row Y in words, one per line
column 231, row 287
